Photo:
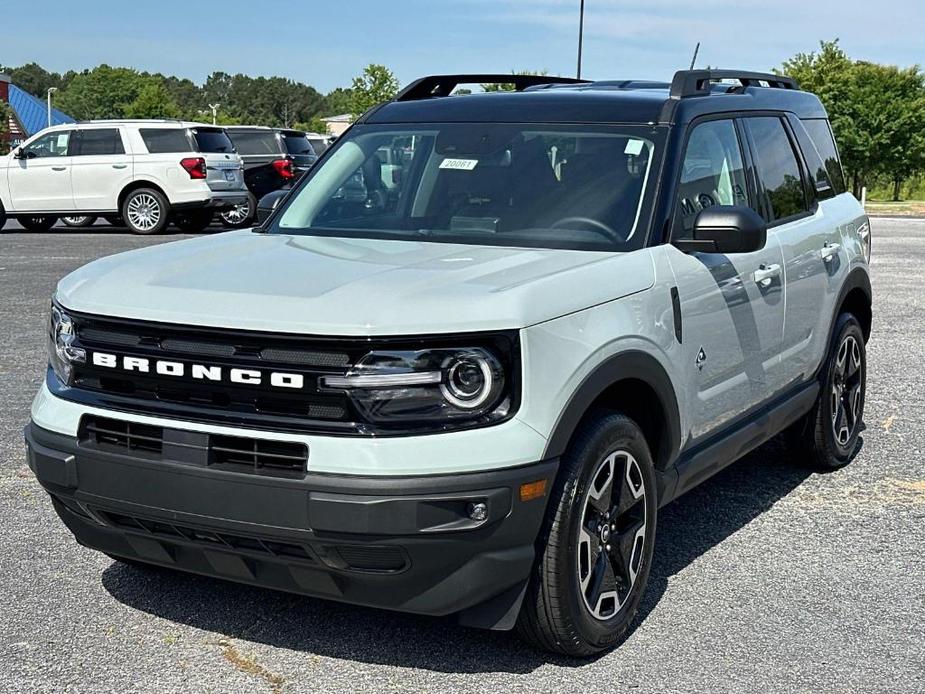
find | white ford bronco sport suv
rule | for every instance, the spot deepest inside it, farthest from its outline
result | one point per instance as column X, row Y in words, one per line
column 469, row 392
column 139, row 173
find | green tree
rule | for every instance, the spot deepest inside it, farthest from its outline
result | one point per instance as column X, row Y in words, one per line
column 35, row 79
column 103, row 92
column 508, row 86
column 876, row 112
column 4, row 128
column 153, row 101
column 337, row 102
column 376, row 85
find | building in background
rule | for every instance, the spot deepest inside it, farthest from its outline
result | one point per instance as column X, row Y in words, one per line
column 28, row 114
column 336, row 125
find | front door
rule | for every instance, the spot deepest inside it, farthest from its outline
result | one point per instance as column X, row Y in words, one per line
column 40, row 180
column 732, row 306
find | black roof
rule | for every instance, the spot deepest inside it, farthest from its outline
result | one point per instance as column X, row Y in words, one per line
column 536, row 99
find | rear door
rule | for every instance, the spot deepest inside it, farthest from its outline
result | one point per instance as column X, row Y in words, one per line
column 100, row 168
column 732, row 306
column 40, row 181
column 801, row 226
column 223, row 165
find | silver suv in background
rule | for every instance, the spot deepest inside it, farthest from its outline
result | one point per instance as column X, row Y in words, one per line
column 143, row 173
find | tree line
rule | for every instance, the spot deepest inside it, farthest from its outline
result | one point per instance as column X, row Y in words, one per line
column 120, row 92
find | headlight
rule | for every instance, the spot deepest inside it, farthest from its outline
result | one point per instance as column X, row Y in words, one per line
column 62, row 354
column 427, row 386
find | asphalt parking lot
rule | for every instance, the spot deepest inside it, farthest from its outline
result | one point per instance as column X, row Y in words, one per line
column 766, row 578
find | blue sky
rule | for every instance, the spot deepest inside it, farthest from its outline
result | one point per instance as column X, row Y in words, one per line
column 326, row 43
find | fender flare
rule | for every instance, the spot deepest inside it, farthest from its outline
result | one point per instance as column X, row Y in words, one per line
column 858, row 278
column 632, row 364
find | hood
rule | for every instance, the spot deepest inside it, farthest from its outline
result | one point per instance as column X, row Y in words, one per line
column 348, row 287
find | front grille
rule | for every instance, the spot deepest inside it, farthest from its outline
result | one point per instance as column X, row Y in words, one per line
column 211, row 399
column 230, row 453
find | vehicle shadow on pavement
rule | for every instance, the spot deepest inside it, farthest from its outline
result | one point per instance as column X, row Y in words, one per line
column 688, row 528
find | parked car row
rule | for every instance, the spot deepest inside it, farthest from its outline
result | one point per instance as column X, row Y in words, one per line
column 146, row 174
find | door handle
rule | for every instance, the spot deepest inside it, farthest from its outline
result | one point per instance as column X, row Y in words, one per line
column 119, row 166
column 58, row 168
column 829, row 251
column 765, row 274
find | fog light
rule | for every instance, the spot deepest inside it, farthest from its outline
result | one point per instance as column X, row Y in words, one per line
column 477, row 511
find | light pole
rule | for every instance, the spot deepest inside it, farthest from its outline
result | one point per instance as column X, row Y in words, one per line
column 51, row 90
column 214, row 108
column 581, row 31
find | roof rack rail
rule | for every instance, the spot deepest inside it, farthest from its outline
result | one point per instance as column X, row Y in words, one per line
column 697, row 82
column 443, row 85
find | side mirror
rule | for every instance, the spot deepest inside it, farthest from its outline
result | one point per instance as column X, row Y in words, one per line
column 18, row 153
column 726, row 229
column 268, row 203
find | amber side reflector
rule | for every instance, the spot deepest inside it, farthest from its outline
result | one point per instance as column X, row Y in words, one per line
column 533, row 490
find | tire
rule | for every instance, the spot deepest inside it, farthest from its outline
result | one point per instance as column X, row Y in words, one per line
column 84, row 221
column 562, row 612
column 2, row 216
column 193, row 222
column 240, row 216
column 826, row 438
column 145, row 211
column 38, row 223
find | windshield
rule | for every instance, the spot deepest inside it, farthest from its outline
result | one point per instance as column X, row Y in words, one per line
column 582, row 187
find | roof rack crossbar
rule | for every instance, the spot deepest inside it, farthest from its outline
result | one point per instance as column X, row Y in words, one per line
column 443, row 85
column 698, row 82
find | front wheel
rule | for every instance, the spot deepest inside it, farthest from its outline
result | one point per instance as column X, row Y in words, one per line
column 37, row 223
column 80, row 221
column 827, row 437
column 600, row 533
column 145, row 211
column 240, row 216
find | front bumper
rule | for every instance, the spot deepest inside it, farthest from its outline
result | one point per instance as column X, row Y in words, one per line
column 402, row 543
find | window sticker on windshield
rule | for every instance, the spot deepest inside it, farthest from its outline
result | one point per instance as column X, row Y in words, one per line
column 633, row 147
column 459, row 164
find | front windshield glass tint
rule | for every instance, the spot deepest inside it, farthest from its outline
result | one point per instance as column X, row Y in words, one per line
column 580, row 187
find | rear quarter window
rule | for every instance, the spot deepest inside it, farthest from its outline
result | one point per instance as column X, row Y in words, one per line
column 255, row 143
column 166, row 140
column 298, row 144
column 209, row 141
column 821, row 134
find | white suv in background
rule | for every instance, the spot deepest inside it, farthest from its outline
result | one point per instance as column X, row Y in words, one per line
column 143, row 173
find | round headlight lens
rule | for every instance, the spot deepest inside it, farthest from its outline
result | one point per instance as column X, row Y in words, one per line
column 469, row 381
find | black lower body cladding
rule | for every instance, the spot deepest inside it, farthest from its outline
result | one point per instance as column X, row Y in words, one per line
column 404, row 543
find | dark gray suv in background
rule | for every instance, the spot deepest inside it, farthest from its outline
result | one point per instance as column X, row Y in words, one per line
column 273, row 158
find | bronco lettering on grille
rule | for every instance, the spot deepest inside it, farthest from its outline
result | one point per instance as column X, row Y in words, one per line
column 277, row 379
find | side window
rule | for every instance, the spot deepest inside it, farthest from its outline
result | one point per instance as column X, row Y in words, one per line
column 166, row 140
column 712, row 173
column 99, row 141
column 51, row 145
column 821, row 134
column 781, row 181
column 817, row 169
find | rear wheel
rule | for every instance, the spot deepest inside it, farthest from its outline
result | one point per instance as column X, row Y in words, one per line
column 194, row 221
column 241, row 215
column 38, row 223
column 593, row 570
column 84, row 221
column 145, row 211
column 827, row 437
